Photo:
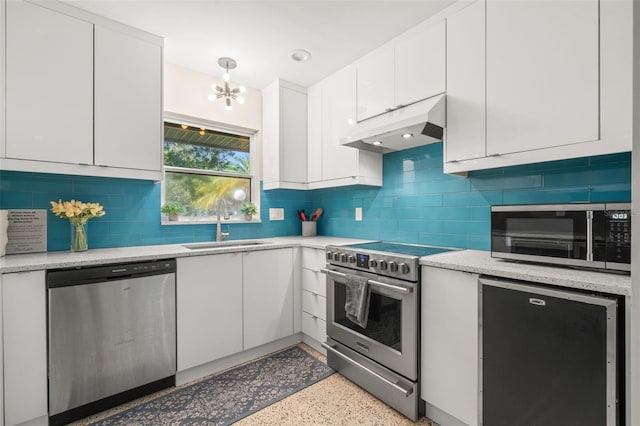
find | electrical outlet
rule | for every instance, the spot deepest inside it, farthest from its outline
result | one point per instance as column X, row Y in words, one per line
column 359, row 214
column 276, row 214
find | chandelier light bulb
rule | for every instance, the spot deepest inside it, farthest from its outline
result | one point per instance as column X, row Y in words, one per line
column 226, row 77
column 240, row 99
column 242, row 89
column 212, row 98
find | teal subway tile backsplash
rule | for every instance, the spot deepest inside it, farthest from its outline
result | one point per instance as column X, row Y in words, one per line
column 133, row 210
column 417, row 204
column 449, row 210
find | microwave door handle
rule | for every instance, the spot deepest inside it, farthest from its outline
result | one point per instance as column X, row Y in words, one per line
column 374, row 283
column 590, row 236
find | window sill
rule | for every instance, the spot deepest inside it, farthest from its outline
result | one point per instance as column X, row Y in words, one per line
column 182, row 221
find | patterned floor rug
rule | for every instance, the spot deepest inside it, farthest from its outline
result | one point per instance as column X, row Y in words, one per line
column 229, row 396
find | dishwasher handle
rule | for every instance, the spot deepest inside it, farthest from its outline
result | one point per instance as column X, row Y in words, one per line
column 120, row 271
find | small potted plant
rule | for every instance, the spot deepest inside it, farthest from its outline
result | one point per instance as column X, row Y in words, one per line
column 173, row 209
column 248, row 210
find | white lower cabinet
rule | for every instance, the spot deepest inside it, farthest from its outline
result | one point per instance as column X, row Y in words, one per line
column 24, row 339
column 209, row 308
column 268, row 296
column 228, row 303
column 449, row 346
column 314, row 302
column 314, row 327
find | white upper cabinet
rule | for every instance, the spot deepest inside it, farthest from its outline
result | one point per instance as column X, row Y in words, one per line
column 542, row 74
column 557, row 84
column 407, row 70
column 340, row 165
column 420, row 64
column 128, row 101
column 376, row 89
column 466, row 112
column 78, row 104
column 314, row 133
column 284, row 136
column 49, row 84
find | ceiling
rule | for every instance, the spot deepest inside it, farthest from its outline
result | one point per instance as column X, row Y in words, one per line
column 260, row 35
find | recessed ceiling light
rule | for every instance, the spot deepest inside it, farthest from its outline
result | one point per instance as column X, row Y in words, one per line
column 407, row 135
column 376, row 143
column 300, row 55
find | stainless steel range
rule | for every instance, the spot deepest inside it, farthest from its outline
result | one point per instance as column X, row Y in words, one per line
column 380, row 354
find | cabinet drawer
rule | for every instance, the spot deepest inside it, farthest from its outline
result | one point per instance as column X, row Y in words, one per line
column 314, row 327
column 314, row 282
column 314, row 304
column 313, row 258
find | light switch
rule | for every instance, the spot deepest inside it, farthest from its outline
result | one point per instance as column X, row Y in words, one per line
column 276, row 214
column 359, row 214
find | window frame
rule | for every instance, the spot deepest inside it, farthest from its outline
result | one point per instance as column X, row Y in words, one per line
column 218, row 127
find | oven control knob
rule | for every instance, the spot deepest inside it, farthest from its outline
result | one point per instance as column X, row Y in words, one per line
column 393, row 266
column 343, row 257
column 404, row 268
column 336, row 256
column 352, row 259
column 329, row 255
column 373, row 263
column 383, row 265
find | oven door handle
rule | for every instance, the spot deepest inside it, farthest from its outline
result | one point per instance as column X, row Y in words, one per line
column 397, row 289
column 395, row 386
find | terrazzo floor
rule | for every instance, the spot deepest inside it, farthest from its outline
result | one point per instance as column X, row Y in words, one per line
column 332, row 401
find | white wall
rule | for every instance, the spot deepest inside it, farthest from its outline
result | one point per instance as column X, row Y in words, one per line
column 186, row 91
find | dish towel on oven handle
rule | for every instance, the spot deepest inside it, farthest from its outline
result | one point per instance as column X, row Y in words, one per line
column 357, row 298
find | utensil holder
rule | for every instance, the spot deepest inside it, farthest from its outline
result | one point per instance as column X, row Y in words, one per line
column 309, row 229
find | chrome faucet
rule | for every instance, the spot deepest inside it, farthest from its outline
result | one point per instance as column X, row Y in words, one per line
column 219, row 234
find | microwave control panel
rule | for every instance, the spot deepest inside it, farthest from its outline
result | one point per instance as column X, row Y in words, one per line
column 618, row 236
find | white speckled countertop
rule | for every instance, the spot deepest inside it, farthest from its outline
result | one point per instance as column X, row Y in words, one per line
column 481, row 262
column 65, row 259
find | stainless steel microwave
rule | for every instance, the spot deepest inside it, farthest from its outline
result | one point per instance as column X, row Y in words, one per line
column 593, row 235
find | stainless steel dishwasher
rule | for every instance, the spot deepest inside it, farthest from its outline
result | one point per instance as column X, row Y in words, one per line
column 111, row 336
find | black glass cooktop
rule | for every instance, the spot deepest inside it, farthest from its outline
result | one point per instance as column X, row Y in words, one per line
column 408, row 249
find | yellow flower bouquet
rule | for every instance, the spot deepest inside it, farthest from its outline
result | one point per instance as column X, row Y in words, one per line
column 78, row 214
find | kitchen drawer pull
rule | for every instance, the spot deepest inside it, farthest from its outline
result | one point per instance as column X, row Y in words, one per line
column 405, row 392
column 314, row 294
column 374, row 283
column 314, row 317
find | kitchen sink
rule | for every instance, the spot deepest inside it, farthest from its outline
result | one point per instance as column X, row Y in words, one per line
column 221, row 244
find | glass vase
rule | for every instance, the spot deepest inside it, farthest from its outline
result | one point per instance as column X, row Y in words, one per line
column 79, row 241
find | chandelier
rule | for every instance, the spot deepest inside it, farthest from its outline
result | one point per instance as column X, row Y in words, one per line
column 226, row 91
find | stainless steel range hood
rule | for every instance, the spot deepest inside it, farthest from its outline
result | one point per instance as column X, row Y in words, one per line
column 424, row 121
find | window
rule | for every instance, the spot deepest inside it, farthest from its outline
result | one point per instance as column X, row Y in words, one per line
column 204, row 164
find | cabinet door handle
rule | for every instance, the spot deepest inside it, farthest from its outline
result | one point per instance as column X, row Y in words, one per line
column 388, row 109
column 399, row 106
column 314, row 294
column 497, row 154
